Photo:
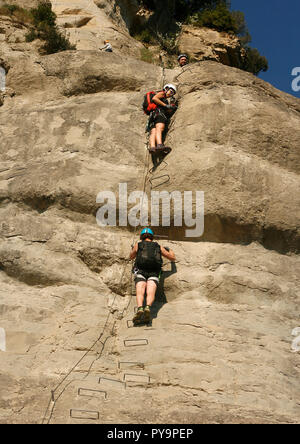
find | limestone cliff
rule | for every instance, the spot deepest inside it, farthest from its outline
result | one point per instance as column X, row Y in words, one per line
column 209, row 44
column 219, row 349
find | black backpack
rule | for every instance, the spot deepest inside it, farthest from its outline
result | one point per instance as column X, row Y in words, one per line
column 149, row 256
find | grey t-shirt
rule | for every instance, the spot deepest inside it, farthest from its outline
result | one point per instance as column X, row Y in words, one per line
column 107, row 47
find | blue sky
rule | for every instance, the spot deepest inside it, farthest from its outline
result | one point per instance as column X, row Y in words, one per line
column 274, row 27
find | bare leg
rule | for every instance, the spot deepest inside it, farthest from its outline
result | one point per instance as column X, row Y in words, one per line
column 140, row 293
column 152, row 138
column 151, row 290
column 159, row 132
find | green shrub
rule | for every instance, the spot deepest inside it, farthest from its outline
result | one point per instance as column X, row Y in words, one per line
column 55, row 42
column 10, row 9
column 30, row 36
column 44, row 21
column 43, row 26
column 146, row 55
column 168, row 43
column 16, row 13
column 145, row 36
column 219, row 18
column 44, row 14
column 254, row 62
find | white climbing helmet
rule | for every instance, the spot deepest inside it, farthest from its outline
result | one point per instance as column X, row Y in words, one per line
column 170, row 86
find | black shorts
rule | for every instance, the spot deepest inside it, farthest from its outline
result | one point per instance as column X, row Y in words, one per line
column 157, row 117
column 145, row 276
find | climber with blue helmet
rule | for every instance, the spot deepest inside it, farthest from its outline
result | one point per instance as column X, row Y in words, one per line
column 160, row 117
column 147, row 269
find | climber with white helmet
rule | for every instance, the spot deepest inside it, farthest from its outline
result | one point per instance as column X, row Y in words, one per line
column 147, row 271
column 159, row 117
column 183, row 59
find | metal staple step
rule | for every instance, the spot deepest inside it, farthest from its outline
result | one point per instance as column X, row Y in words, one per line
column 84, row 414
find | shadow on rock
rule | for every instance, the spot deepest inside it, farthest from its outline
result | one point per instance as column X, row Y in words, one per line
column 160, row 298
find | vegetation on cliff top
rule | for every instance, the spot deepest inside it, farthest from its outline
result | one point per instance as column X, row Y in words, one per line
column 42, row 23
column 213, row 14
column 44, row 28
column 16, row 13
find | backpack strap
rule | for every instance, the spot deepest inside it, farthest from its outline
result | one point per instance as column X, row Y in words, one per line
column 149, row 97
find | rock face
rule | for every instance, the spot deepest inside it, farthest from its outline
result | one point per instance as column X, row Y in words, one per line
column 22, row 3
column 242, row 152
column 219, row 348
column 88, row 26
column 125, row 13
column 12, row 33
column 208, row 44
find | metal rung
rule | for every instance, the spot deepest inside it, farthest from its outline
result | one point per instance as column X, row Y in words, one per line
column 152, row 170
column 160, row 184
column 90, row 392
column 131, row 377
column 137, row 364
column 135, row 342
column 84, row 414
column 114, row 381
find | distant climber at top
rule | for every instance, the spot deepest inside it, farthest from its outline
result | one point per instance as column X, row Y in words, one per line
column 183, row 59
column 107, row 47
column 147, row 270
column 157, row 106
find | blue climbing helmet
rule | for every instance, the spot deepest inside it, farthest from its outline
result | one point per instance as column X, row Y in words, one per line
column 146, row 232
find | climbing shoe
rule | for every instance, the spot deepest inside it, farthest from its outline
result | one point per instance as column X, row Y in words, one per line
column 152, row 150
column 163, row 149
column 138, row 316
column 147, row 315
